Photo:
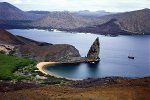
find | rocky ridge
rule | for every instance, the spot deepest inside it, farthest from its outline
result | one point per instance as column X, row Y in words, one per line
column 41, row 51
column 134, row 22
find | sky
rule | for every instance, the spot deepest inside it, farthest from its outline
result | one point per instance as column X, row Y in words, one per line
column 76, row 5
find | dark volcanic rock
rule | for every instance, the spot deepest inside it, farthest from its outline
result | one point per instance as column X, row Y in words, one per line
column 8, row 38
column 93, row 53
column 6, row 86
column 42, row 51
column 39, row 51
column 58, row 53
column 67, row 53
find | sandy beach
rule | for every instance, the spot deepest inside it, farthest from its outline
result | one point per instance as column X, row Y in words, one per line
column 41, row 66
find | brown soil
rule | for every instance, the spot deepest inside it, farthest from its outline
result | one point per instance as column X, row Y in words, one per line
column 119, row 89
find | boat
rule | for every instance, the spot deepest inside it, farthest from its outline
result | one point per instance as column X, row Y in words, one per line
column 130, row 57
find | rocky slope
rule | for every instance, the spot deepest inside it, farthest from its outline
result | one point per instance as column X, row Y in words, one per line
column 108, row 28
column 13, row 17
column 135, row 22
column 10, row 12
column 63, row 20
column 42, row 51
column 90, row 89
column 39, row 51
column 8, row 38
column 46, row 52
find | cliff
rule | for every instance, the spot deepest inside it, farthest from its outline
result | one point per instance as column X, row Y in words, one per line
column 39, row 51
column 42, row 51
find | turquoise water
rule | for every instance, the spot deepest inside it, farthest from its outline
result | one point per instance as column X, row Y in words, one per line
column 113, row 53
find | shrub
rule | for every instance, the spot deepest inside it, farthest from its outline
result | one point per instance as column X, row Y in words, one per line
column 9, row 64
column 2, row 52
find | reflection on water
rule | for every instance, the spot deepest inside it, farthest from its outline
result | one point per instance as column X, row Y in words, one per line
column 89, row 70
column 114, row 54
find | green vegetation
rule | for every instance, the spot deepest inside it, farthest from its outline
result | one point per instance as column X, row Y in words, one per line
column 15, row 68
column 9, row 64
column 2, row 52
column 31, row 72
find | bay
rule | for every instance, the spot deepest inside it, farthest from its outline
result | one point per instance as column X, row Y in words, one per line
column 114, row 53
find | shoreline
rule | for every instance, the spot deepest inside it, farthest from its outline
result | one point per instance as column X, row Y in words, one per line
column 41, row 66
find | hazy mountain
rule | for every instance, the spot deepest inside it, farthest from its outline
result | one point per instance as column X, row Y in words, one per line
column 134, row 21
column 63, row 20
column 39, row 12
column 131, row 22
column 109, row 27
column 87, row 13
column 10, row 12
column 127, row 22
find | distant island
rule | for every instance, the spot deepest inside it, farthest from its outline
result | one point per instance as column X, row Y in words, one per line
column 127, row 23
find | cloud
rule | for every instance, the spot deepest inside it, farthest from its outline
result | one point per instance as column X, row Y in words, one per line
column 109, row 5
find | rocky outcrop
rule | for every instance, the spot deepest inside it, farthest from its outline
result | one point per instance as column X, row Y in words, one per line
column 39, row 51
column 93, row 54
column 67, row 53
column 7, row 49
column 56, row 53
